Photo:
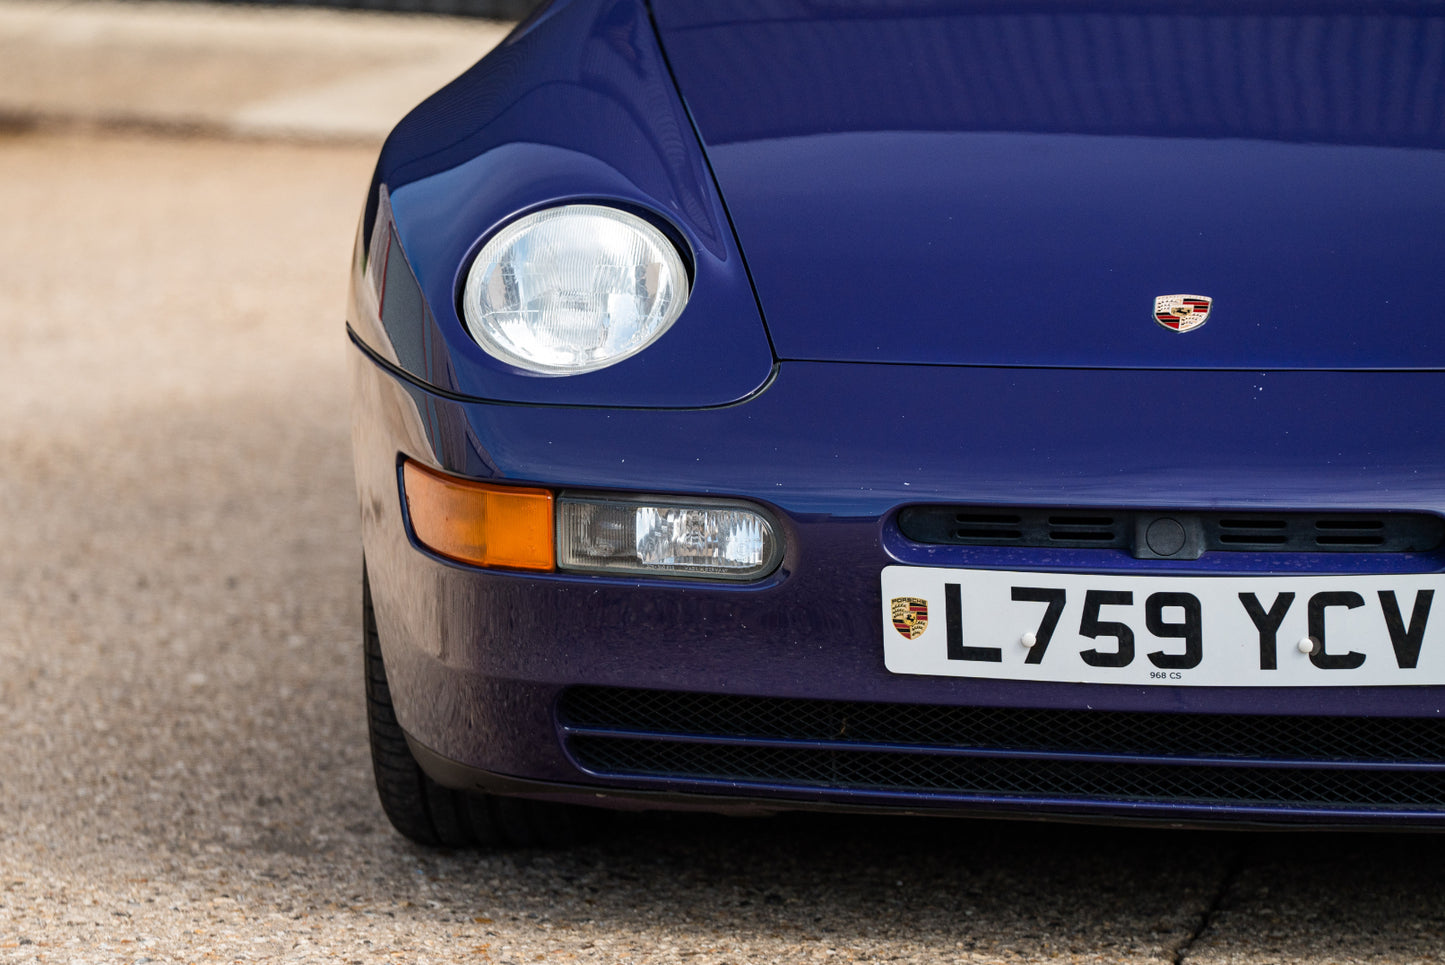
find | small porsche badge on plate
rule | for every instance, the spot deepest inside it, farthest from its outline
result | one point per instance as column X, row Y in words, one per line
column 1182, row 313
column 910, row 616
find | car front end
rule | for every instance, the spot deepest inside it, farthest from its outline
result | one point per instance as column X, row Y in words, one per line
column 938, row 494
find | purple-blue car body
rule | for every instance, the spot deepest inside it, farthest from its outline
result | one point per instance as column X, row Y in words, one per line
column 1083, row 358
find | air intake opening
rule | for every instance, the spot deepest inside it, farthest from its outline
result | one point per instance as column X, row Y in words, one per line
column 1220, row 531
column 962, row 751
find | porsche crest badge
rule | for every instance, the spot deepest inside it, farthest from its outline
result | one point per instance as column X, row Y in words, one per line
column 1182, row 313
column 910, row 616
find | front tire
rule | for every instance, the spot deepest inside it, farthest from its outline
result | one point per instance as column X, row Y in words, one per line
column 437, row 816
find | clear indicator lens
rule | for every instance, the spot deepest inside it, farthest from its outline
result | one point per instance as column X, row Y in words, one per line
column 573, row 289
column 724, row 541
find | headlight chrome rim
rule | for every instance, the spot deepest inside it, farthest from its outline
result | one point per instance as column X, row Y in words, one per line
column 496, row 332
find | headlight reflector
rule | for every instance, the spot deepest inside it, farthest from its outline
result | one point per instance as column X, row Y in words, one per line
column 573, row 289
column 703, row 538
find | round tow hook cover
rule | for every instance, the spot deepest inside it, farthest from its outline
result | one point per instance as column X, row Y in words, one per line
column 1165, row 537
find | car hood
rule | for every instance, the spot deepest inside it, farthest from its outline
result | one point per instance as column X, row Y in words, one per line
column 930, row 183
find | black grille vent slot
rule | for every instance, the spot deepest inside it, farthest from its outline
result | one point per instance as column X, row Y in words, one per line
column 1116, row 529
column 1025, row 527
column 1020, row 778
column 1265, row 759
column 1267, row 737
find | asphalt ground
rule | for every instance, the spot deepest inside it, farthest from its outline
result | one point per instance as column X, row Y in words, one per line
column 183, row 765
column 226, row 70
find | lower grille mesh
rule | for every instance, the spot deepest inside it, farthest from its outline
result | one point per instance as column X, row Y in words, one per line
column 1279, row 738
column 1269, row 760
column 1004, row 777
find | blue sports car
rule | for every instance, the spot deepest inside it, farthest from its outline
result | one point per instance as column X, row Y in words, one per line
column 980, row 407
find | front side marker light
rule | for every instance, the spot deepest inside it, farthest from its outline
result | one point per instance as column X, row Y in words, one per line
column 718, row 540
column 513, row 527
column 478, row 523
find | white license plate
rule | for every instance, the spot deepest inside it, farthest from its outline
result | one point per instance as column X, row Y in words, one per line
column 1196, row 631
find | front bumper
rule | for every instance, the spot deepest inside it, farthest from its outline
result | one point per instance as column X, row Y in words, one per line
column 482, row 663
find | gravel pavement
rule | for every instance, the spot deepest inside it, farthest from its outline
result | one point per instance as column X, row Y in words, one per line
column 183, row 766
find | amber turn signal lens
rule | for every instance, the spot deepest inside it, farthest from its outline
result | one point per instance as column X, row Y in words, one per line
column 478, row 523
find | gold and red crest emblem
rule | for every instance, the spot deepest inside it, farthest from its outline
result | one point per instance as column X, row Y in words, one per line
column 910, row 616
column 1182, row 313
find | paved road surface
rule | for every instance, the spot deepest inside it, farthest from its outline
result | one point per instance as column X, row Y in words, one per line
column 183, row 773
column 314, row 75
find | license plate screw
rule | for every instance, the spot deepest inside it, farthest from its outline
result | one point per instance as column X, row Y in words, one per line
column 1307, row 645
column 1028, row 640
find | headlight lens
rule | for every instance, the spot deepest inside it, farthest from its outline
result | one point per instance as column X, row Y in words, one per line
column 573, row 289
column 702, row 538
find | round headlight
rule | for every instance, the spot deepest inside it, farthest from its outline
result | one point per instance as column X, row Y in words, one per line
column 573, row 289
